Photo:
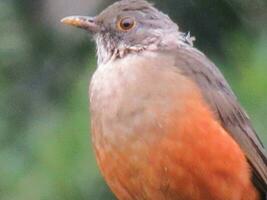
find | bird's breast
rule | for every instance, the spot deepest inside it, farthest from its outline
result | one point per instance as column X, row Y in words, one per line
column 155, row 137
column 135, row 94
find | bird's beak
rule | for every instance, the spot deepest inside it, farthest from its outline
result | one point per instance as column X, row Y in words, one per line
column 84, row 22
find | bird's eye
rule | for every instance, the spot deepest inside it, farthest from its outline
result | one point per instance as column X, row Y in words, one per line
column 126, row 23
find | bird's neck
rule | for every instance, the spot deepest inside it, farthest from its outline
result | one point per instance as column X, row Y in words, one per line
column 107, row 52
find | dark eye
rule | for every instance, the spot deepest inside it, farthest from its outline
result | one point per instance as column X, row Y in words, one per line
column 126, row 23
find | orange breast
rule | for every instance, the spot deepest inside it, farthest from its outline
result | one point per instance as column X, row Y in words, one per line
column 184, row 154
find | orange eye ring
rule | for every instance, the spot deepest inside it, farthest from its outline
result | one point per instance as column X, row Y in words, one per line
column 126, row 24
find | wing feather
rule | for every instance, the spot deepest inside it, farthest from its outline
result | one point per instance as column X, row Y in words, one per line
column 226, row 108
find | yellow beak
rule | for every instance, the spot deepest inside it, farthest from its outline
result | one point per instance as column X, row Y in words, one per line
column 83, row 22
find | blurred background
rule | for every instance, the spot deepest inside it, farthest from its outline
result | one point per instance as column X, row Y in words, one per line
column 45, row 68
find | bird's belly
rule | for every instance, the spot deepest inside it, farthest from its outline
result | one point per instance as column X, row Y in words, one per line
column 159, row 141
column 185, row 164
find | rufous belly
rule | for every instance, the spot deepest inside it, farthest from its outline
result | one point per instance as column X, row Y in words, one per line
column 155, row 138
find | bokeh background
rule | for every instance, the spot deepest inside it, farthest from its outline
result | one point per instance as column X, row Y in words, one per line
column 45, row 67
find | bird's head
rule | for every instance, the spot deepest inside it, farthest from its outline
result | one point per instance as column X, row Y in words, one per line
column 129, row 26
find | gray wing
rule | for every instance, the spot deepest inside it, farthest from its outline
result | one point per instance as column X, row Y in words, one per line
column 225, row 106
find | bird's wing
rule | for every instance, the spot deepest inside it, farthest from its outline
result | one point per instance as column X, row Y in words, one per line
column 225, row 106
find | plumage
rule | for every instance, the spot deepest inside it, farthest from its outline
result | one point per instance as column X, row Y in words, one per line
column 167, row 126
column 228, row 111
column 165, row 123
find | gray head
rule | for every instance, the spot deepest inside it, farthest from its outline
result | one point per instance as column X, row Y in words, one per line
column 129, row 26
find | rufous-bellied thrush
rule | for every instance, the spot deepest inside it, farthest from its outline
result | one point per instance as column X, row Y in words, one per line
column 165, row 123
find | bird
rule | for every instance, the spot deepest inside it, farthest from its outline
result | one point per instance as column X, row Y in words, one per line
column 165, row 123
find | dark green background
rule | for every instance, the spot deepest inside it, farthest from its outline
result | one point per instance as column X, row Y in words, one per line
column 45, row 67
